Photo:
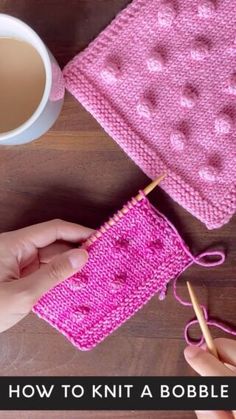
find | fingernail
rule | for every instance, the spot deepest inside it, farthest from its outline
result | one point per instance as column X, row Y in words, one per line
column 191, row 352
column 78, row 258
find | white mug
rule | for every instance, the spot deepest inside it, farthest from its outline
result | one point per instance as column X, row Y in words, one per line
column 53, row 96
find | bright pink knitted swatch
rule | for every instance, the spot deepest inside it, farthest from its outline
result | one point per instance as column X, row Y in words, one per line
column 128, row 264
column 161, row 80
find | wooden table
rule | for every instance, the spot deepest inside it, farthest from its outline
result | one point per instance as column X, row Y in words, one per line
column 77, row 173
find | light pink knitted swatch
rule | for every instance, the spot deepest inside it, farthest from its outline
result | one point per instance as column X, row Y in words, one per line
column 161, row 80
column 58, row 84
column 128, row 264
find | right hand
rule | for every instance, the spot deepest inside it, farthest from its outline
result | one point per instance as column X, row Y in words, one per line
column 206, row 364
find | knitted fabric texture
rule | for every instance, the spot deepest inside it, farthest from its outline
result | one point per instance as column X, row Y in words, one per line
column 58, row 84
column 128, row 263
column 161, row 80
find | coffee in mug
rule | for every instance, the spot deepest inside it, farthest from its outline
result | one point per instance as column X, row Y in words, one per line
column 22, row 82
column 31, row 83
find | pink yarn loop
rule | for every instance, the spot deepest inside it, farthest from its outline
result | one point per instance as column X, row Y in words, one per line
column 141, row 192
column 200, row 259
column 190, row 341
column 209, row 322
column 214, row 323
column 187, row 338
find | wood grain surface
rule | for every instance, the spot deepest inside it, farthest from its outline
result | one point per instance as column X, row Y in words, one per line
column 77, row 172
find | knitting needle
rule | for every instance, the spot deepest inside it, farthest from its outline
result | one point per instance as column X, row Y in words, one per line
column 150, row 187
column 202, row 322
column 124, row 210
column 204, row 327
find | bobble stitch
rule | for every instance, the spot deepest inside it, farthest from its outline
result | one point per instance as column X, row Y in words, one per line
column 206, row 9
column 155, row 62
column 81, row 313
column 110, row 73
column 145, row 108
column 223, row 124
column 232, row 85
column 121, row 244
column 166, row 14
column 118, row 282
column 178, row 140
column 208, row 173
column 188, row 98
column 200, row 50
column 76, row 284
column 154, row 247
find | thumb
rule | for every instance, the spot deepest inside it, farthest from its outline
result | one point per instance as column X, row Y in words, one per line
column 204, row 363
column 51, row 274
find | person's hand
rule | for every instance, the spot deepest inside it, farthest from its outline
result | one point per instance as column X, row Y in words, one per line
column 33, row 260
column 206, row 364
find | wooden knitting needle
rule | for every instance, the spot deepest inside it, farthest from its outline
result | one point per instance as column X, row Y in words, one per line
column 124, row 210
column 204, row 327
column 202, row 322
column 150, row 187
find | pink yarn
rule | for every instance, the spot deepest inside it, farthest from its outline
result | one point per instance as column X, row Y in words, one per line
column 210, row 322
column 128, row 264
column 161, row 80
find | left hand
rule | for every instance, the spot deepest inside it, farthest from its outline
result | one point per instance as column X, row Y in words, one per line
column 32, row 261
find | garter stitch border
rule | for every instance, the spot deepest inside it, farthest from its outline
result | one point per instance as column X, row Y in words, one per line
column 102, row 104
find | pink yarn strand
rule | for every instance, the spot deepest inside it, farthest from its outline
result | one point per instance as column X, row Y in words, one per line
column 218, row 262
column 214, row 323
